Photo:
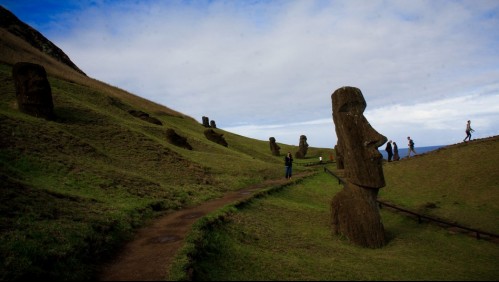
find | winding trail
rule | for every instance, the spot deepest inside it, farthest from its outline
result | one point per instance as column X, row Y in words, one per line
column 149, row 255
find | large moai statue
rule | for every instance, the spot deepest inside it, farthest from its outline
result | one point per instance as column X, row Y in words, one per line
column 213, row 124
column 339, row 157
column 302, row 148
column 206, row 121
column 33, row 92
column 354, row 210
column 274, row 148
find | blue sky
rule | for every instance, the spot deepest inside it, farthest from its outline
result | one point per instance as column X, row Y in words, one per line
column 268, row 68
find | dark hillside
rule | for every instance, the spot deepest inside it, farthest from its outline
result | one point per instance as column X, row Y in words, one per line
column 18, row 28
column 74, row 188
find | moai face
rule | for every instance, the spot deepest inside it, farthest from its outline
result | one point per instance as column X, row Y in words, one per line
column 357, row 140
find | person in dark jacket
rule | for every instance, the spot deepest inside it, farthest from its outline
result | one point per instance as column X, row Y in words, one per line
column 396, row 156
column 288, row 163
column 388, row 150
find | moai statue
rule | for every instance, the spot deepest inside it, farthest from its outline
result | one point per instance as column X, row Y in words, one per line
column 216, row 137
column 354, row 210
column 33, row 92
column 274, row 148
column 213, row 124
column 339, row 157
column 206, row 121
column 177, row 140
column 302, row 148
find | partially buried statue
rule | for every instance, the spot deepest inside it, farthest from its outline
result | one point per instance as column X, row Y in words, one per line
column 302, row 147
column 33, row 91
column 354, row 210
column 274, row 147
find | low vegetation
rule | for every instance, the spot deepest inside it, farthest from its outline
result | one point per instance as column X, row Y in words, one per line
column 74, row 189
column 287, row 236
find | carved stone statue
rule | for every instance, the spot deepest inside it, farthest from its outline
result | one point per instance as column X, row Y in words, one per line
column 206, row 121
column 216, row 137
column 213, row 124
column 177, row 140
column 145, row 116
column 354, row 210
column 274, row 148
column 302, row 148
column 33, row 92
column 339, row 158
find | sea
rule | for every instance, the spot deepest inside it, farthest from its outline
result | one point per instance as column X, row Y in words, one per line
column 403, row 151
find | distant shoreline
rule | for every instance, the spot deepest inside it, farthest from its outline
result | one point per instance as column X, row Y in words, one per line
column 403, row 151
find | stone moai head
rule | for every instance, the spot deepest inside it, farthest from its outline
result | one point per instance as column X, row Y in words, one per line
column 302, row 147
column 33, row 92
column 358, row 142
column 206, row 121
column 274, row 147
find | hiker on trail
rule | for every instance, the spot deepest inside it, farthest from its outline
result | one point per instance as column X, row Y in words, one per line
column 396, row 156
column 320, row 159
column 388, row 150
column 288, row 162
column 468, row 131
column 410, row 146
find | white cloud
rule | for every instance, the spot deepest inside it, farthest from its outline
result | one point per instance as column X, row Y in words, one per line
column 265, row 63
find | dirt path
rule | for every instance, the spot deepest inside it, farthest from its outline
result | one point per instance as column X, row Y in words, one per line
column 149, row 255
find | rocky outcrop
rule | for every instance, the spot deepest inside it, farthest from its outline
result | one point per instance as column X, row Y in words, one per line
column 15, row 26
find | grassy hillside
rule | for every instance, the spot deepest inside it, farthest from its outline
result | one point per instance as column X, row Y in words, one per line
column 74, row 188
column 459, row 183
column 287, row 235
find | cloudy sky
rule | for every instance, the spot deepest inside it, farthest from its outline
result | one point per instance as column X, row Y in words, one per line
column 268, row 68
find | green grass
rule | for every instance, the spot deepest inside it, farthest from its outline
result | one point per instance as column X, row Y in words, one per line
column 287, row 237
column 74, row 189
column 96, row 173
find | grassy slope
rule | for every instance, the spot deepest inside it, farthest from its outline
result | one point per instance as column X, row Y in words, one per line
column 459, row 183
column 74, row 188
column 287, row 236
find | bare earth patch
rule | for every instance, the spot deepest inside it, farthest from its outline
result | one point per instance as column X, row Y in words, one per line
column 149, row 255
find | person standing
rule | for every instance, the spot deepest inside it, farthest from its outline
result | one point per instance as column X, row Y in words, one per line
column 288, row 163
column 468, row 131
column 396, row 156
column 410, row 146
column 389, row 150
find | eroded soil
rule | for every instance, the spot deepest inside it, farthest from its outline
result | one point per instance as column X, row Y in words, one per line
column 149, row 255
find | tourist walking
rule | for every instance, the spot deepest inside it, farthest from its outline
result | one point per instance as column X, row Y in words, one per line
column 410, row 146
column 468, row 131
column 396, row 156
column 288, row 163
column 389, row 150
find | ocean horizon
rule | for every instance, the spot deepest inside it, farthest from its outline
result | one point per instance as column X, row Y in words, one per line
column 403, row 151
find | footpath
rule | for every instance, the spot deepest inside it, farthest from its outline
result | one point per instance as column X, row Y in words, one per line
column 149, row 255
